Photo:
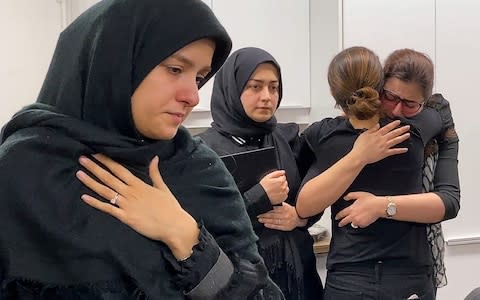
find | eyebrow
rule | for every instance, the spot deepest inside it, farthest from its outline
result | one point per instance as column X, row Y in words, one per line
column 403, row 99
column 189, row 62
column 262, row 81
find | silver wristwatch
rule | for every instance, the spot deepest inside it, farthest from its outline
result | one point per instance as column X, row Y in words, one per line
column 391, row 209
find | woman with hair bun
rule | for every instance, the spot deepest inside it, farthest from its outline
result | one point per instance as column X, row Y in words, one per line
column 368, row 259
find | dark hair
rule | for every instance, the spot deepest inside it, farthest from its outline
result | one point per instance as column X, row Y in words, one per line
column 355, row 77
column 411, row 66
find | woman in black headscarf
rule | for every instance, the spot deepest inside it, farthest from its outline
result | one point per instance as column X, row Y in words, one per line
column 124, row 76
column 246, row 93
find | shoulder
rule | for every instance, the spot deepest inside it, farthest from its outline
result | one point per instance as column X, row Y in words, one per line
column 319, row 131
column 437, row 101
column 324, row 127
column 289, row 131
column 209, row 135
column 27, row 141
column 216, row 141
column 474, row 295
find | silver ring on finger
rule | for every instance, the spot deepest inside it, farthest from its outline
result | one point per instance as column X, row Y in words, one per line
column 115, row 198
column 354, row 225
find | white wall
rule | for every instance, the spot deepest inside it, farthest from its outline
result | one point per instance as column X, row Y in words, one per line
column 29, row 32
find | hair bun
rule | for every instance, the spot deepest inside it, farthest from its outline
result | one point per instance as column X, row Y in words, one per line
column 364, row 103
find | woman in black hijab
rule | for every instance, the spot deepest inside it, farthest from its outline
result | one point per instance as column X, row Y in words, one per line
column 124, row 76
column 246, row 93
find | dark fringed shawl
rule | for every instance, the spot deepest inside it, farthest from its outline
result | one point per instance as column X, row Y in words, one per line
column 49, row 235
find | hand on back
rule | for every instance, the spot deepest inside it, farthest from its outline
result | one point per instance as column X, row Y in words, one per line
column 377, row 143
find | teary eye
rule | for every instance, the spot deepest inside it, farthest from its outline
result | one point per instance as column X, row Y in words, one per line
column 174, row 70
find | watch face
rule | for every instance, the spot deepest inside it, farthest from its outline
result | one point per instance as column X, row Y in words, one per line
column 391, row 209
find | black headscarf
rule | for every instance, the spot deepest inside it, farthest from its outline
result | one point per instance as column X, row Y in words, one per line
column 103, row 56
column 228, row 114
column 49, row 235
column 230, row 119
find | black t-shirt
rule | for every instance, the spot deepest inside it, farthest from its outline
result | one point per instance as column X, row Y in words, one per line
column 330, row 140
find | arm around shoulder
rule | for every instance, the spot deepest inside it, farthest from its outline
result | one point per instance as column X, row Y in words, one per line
column 446, row 180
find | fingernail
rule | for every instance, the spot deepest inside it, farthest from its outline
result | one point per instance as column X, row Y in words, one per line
column 80, row 174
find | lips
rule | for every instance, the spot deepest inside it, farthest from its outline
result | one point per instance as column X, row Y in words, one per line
column 180, row 115
column 177, row 117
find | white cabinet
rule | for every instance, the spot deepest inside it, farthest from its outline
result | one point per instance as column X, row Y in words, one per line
column 282, row 27
column 279, row 26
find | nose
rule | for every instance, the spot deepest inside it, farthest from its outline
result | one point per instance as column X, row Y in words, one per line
column 397, row 110
column 188, row 93
column 266, row 96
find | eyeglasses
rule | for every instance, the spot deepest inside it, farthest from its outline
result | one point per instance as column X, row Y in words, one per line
column 409, row 107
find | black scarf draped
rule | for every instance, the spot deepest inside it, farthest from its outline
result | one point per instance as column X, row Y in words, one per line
column 229, row 117
column 49, row 235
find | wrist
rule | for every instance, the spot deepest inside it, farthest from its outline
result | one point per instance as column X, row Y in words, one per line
column 390, row 208
column 184, row 238
column 356, row 160
column 302, row 222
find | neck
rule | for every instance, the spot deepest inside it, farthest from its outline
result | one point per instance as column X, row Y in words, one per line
column 364, row 124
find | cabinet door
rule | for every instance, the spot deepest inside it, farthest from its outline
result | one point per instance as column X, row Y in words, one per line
column 279, row 26
column 384, row 26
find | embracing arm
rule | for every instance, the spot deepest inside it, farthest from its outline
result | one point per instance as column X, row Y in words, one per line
column 446, row 183
column 440, row 204
column 443, row 202
column 367, row 208
column 323, row 190
column 372, row 145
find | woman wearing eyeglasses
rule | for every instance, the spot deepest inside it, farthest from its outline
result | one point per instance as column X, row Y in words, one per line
column 408, row 82
column 383, row 253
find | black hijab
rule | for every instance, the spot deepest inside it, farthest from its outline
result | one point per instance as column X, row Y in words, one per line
column 49, row 235
column 228, row 114
column 230, row 119
column 102, row 57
